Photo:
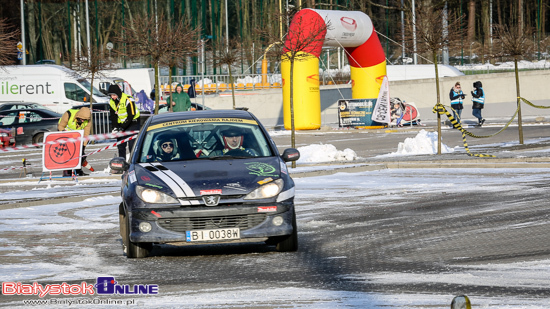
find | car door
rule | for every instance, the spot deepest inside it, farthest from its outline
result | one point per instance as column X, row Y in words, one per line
column 16, row 120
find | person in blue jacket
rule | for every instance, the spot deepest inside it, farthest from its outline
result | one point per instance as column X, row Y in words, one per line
column 457, row 98
column 478, row 99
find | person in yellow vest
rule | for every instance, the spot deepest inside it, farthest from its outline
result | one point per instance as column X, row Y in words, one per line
column 124, row 116
column 74, row 120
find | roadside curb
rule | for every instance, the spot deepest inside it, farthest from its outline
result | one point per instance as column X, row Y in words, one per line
column 362, row 166
column 356, row 167
column 57, row 200
column 64, row 179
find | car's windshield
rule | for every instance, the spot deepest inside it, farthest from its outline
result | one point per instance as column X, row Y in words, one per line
column 214, row 138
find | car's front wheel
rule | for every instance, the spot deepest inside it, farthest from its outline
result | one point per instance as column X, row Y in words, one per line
column 288, row 243
column 133, row 249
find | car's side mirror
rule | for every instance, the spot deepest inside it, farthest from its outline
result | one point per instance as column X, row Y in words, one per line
column 290, row 154
column 119, row 164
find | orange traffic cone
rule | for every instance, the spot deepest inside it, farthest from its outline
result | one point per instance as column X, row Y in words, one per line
column 88, row 166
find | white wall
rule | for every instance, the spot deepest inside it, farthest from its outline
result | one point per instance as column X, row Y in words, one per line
column 500, row 89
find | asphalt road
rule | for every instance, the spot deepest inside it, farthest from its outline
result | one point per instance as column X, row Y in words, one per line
column 348, row 236
column 347, row 232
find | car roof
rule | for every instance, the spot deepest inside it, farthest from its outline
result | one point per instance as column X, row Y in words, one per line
column 17, row 102
column 218, row 113
column 38, row 110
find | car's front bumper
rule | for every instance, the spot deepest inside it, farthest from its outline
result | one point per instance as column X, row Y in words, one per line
column 169, row 225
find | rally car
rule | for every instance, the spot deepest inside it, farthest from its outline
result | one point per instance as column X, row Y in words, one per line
column 206, row 177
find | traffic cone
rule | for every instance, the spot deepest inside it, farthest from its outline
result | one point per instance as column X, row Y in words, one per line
column 88, row 166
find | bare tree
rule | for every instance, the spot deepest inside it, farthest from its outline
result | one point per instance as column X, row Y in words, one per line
column 516, row 41
column 153, row 37
column 230, row 56
column 8, row 43
column 176, row 57
column 305, row 36
column 90, row 64
column 432, row 37
column 471, row 21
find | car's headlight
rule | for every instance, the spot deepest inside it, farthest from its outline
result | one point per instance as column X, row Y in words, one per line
column 154, row 197
column 266, row 191
column 3, row 134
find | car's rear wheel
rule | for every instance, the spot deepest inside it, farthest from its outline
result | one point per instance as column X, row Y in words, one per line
column 133, row 249
column 38, row 138
column 289, row 243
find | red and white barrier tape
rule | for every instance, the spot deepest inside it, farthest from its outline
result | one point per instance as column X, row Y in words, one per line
column 96, row 137
column 89, row 154
column 112, row 145
column 12, row 168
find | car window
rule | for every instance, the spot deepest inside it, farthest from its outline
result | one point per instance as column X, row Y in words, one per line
column 86, row 84
column 203, row 139
column 74, row 92
column 9, row 118
column 33, row 117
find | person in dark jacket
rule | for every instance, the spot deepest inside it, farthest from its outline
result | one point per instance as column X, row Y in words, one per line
column 152, row 93
column 124, row 116
column 457, row 98
column 478, row 99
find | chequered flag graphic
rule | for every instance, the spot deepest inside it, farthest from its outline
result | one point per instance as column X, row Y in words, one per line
column 60, row 149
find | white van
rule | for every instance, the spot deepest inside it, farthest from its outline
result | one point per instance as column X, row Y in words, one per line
column 56, row 87
column 139, row 79
column 103, row 83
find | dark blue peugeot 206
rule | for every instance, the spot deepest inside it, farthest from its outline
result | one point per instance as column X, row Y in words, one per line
column 206, row 177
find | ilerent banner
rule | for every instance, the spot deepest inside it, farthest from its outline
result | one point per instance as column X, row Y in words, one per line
column 62, row 150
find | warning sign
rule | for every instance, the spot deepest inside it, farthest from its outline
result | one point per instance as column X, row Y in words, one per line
column 62, row 150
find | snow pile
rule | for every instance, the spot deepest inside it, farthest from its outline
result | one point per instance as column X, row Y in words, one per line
column 523, row 64
column 423, row 143
column 249, row 79
column 324, row 153
column 207, row 81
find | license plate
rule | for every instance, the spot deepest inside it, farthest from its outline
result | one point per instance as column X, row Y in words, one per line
column 217, row 234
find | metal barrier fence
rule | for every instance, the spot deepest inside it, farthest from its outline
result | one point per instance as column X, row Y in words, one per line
column 220, row 83
column 101, row 122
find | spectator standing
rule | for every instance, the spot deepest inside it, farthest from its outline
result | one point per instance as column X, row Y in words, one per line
column 457, row 98
column 124, row 116
column 152, row 93
column 179, row 100
column 478, row 99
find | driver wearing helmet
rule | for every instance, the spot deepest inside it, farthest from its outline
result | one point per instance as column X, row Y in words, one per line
column 166, row 149
column 233, row 139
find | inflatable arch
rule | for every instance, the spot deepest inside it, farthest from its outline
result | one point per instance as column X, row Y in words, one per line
column 352, row 30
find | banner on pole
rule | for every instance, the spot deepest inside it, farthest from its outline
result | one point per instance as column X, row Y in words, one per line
column 381, row 112
column 62, row 156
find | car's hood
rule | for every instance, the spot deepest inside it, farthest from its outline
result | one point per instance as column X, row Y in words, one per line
column 206, row 177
